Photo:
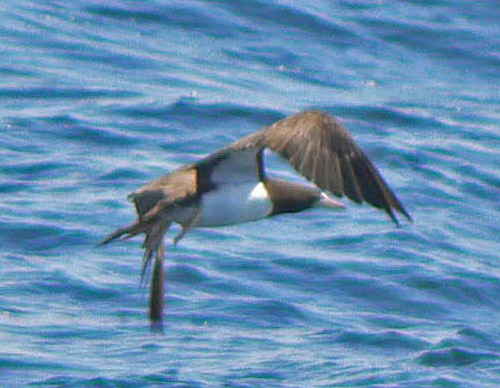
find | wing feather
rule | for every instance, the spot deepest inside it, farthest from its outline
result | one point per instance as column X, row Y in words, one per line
column 350, row 180
column 333, row 173
column 308, row 164
column 322, row 150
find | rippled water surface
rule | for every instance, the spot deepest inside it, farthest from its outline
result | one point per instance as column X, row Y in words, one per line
column 98, row 97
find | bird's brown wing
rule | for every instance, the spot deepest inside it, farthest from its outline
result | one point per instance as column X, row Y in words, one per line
column 322, row 150
column 154, row 204
column 178, row 185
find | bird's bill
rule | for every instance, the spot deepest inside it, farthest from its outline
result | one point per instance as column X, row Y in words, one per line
column 330, row 203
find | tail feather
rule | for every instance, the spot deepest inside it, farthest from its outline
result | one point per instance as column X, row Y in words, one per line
column 155, row 229
column 153, row 243
column 154, row 221
column 128, row 232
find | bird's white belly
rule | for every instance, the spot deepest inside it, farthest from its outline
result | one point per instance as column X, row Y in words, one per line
column 232, row 204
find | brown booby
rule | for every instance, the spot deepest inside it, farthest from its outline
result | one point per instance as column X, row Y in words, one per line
column 230, row 186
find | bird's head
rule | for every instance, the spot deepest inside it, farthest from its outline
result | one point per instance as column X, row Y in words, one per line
column 291, row 197
column 325, row 201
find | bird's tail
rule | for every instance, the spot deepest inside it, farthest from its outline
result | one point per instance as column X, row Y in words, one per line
column 155, row 230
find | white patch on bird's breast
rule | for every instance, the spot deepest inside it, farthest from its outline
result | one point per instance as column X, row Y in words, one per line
column 233, row 204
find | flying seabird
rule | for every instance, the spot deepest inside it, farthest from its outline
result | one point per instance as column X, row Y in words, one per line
column 230, row 186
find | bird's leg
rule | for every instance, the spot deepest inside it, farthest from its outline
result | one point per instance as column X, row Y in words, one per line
column 191, row 224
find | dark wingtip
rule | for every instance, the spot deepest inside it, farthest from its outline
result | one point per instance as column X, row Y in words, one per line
column 156, row 326
column 406, row 214
column 146, row 260
column 111, row 237
column 128, row 231
column 401, row 210
column 157, row 292
column 393, row 217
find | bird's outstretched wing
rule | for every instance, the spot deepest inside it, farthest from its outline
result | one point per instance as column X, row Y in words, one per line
column 154, row 204
column 322, row 150
column 314, row 143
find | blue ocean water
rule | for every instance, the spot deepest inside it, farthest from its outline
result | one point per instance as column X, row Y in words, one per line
column 99, row 97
